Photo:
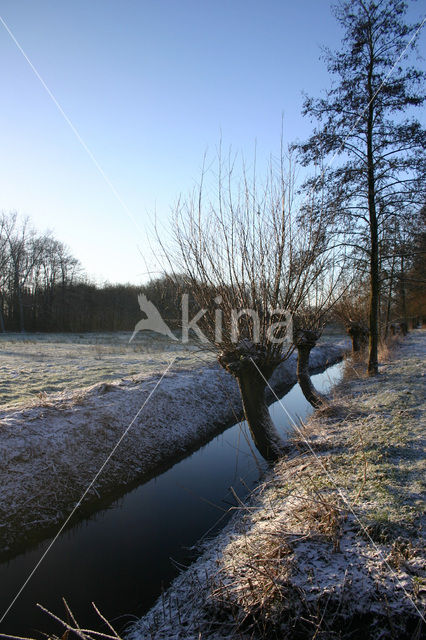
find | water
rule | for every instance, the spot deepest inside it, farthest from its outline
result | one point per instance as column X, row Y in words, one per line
column 123, row 556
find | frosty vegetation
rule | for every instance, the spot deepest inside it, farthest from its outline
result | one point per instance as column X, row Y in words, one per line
column 331, row 542
column 33, row 365
column 51, row 447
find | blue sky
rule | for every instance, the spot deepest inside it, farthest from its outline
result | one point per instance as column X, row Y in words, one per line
column 150, row 85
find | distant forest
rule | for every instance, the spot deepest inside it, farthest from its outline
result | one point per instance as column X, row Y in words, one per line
column 44, row 288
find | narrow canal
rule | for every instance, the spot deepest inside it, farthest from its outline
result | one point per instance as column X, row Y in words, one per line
column 122, row 557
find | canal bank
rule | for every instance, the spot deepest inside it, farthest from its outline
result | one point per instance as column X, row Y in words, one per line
column 50, row 451
column 332, row 542
column 124, row 556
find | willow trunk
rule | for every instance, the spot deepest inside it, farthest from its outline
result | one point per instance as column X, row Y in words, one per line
column 263, row 431
column 313, row 396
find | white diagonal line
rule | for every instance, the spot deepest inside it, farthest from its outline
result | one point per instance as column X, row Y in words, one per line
column 98, row 166
column 73, row 129
column 95, row 477
column 341, row 493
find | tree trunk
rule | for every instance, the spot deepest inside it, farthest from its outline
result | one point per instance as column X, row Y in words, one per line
column 389, row 303
column 356, row 344
column 314, row 397
column 304, row 341
column 373, row 364
column 403, row 298
column 355, row 337
column 265, row 436
column 21, row 311
column 250, row 365
column 358, row 333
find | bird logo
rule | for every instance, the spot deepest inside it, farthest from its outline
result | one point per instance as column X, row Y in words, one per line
column 153, row 320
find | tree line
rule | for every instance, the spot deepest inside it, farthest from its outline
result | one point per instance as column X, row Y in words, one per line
column 43, row 287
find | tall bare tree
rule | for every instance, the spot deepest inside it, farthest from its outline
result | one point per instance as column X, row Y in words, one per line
column 25, row 249
column 364, row 118
column 249, row 265
column 4, row 259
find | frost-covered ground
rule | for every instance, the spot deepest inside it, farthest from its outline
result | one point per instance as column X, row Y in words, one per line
column 330, row 546
column 51, row 448
column 36, row 364
column 32, row 365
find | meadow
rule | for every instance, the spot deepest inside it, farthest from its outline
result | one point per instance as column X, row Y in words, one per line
column 39, row 364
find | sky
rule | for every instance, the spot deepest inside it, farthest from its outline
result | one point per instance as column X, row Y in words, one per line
column 145, row 88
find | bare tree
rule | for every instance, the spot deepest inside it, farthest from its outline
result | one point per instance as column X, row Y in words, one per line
column 308, row 326
column 352, row 309
column 25, row 250
column 249, row 265
column 365, row 117
column 4, row 258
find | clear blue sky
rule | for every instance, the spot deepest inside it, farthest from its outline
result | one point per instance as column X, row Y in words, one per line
column 150, row 85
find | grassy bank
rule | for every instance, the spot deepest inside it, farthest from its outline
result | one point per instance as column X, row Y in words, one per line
column 51, row 450
column 330, row 545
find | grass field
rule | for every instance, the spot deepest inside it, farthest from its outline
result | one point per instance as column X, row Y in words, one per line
column 34, row 364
